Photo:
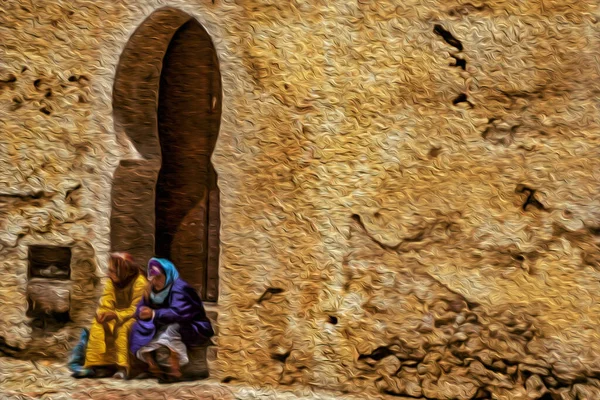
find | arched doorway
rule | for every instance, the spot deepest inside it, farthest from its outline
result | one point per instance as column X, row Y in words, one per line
column 167, row 100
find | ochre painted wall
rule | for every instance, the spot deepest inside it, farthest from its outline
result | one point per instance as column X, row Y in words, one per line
column 410, row 188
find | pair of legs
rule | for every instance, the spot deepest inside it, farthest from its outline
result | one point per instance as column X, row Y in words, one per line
column 108, row 346
column 167, row 344
column 174, row 367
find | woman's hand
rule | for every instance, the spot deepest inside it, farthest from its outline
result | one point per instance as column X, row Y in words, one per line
column 106, row 317
column 145, row 313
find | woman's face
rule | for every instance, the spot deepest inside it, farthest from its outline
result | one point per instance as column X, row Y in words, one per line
column 158, row 281
column 112, row 272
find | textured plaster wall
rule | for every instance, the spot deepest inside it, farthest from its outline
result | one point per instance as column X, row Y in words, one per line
column 409, row 190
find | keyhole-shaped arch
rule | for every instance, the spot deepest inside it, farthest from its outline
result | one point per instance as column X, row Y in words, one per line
column 167, row 101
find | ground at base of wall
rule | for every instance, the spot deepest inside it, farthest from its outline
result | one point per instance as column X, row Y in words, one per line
column 27, row 380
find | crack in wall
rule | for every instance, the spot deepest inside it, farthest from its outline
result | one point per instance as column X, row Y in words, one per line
column 418, row 238
column 459, row 61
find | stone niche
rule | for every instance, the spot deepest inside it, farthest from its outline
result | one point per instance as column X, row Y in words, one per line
column 49, row 286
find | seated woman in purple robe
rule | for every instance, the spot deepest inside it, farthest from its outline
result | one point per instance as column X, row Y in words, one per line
column 171, row 316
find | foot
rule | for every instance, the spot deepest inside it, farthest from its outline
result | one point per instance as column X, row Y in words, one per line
column 174, row 373
column 104, row 372
column 174, row 368
column 121, row 374
column 84, row 373
column 153, row 367
column 170, row 379
column 143, row 375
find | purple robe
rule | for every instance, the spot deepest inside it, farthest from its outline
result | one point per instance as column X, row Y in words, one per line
column 182, row 306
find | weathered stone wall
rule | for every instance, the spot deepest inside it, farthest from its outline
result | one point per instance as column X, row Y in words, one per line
column 409, row 190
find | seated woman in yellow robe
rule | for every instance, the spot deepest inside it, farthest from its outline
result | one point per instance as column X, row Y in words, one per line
column 108, row 345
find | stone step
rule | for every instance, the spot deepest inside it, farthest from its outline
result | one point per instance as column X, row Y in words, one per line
column 211, row 353
column 202, row 360
column 211, row 357
column 197, row 366
column 212, row 312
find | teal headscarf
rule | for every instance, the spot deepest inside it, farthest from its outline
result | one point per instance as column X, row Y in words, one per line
column 166, row 267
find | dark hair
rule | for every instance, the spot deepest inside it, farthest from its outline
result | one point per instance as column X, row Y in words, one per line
column 125, row 268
